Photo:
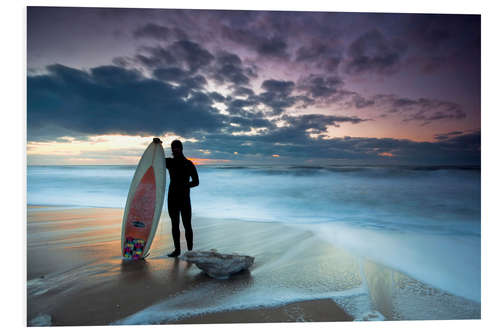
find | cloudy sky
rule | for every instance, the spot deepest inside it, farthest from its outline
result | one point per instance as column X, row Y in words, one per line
column 253, row 86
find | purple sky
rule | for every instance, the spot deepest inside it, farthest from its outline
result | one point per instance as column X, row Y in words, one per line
column 338, row 87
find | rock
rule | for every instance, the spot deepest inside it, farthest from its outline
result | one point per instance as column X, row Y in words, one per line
column 218, row 265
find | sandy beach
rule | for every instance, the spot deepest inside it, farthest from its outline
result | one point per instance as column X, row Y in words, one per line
column 76, row 277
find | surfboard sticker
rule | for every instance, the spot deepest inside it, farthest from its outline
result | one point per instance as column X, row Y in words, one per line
column 138, row 224
column 133, row 248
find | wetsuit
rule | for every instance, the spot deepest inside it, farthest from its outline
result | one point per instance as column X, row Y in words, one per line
column 179, row 202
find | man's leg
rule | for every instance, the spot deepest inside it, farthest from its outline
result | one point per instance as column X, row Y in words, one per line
column 186, row 222
column 173, row 212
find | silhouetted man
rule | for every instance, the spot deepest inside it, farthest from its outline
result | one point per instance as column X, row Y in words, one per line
column 179, row 202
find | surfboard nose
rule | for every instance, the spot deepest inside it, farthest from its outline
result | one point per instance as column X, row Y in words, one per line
column 157, row 140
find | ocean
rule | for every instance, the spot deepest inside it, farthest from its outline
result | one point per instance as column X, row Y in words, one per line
column 424, row 222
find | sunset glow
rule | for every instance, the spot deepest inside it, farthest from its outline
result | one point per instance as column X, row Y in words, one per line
column 99, row 149
column 206, row 161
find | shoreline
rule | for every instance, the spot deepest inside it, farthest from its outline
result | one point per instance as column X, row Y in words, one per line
column 82, row 287
column 77, row 277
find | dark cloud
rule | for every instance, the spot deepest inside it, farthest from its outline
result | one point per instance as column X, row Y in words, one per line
column 182, row 59
column 252, row 71
column 446, row 136
column 216, row 97
column 317, row 123
column 123, row 61
column 236, row 105
column 228, row 67
column 245, row 114
column 361, row 102
column 421, row 110
column 294, row 144
column 153, row 31
column 108, row 76
column 197, row 82
column 156, row 57
column 172, row 74
column 111, row 99
column 427, row 111
column 277, row 95
column 468, row 142
column 293, row 139
column 180, row 34
column 298, row 130
column 227, row 58
column 273, row 47
column 311, row 52
column 243, row 91
column 374, row 53
column 181, row 77
column 278, row 87
column 325, row 91
column 260, row 42
column 319, row 54
column 449, row 112
column 461, row 150
column 318, row 86
column 242, row 36
column 245, row 124
column 188, row 55
column 328, row 90
column 194, row 55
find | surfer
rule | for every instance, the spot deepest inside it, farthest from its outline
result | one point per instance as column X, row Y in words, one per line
column 183, row 176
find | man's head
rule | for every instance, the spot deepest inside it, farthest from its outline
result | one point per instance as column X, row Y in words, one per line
column 176, row 146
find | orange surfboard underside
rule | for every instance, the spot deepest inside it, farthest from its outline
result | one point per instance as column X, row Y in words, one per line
column 142, row 208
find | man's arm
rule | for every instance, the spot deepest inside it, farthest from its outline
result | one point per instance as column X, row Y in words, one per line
column 194, row 176
column 167, row 162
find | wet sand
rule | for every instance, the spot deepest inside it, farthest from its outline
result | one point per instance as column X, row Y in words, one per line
column 76, row 275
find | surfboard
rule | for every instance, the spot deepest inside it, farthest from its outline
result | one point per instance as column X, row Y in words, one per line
column 144, row 203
